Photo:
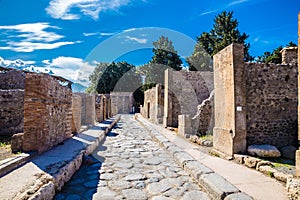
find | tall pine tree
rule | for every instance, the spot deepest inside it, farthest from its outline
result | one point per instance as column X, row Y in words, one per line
column 224, row 32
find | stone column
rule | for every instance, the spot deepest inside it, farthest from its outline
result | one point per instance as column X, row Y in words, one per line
column 158, row 106
column 167, row 120
column 185, row 125
column 230, row 100
column 298, row 152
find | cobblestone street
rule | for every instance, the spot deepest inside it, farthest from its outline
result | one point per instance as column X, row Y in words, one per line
column 130, row 165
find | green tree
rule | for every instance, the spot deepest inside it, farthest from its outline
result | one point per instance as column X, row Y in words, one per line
column 120, row 76
column 224, row 32
column 94, row 76
column 275, row 56
column 165, row 56
column 200, row 60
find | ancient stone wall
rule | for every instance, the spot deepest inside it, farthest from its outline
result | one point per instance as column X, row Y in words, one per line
column 186, row 90
column 154, row 104
column 289, row 55
column 100, row 108
column 271, row 104
column 12, row 83
column 76, row 113
column 11, row 111
column 88, row 112
column 121, row 102
column 108, row 106
column 47, row 112
column 12, row 79
column 298, row 151
column 254, row 103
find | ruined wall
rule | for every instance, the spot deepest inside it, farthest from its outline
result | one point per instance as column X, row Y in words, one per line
column 229, row 133
column 76, row 113
column 88, row 112
column 100, row 108
column 298, row 151
column 121, row 102
column 108, row 106
column 289, row 55
column 154, row 104
column 12, row 85
column 271, row 104
column 47, row 112
column 11, row 111
column 254, row 103
column 186, row 90
column 12, row 79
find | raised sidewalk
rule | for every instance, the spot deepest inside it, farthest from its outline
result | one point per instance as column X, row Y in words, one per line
column 44, row 174
column 247, row 181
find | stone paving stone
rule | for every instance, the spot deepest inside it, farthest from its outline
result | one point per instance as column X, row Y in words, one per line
column 133, row 166
column 135, row 177
column 134, row 194
column 195, row 195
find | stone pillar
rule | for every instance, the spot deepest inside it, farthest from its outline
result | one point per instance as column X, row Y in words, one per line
column 158, row 104
column 298, row 152
column 167, row 120
column 230, row 100
column 90, row 109
column 76, row 113
column 185, row 125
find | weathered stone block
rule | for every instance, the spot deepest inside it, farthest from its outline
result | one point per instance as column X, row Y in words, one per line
column 298, row 163
column 238, row 196
column 217, row 186
column 293, row 188
column 251, row 162
column 17, row 142
column 196, row 169
column 265, row 151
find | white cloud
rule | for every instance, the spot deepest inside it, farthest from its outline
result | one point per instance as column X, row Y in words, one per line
column 32, row 46
column 46, row 62
column 31, row 37
column 209, row 12
column 98, row 34
column 33, row 32
column 62, row 9
column 138, row 40
column 237, row 2
column 71, row 68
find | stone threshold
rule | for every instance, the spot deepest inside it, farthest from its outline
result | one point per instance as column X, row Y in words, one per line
column 217, row 186
column 41, row 176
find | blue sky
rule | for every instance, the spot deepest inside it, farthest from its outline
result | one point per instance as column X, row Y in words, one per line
column 70, row 36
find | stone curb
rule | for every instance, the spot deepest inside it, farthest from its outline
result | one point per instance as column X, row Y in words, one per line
column 9, row 164
column 218, row 187
column 52, row 180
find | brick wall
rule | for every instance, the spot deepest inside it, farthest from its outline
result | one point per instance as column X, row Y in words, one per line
column 47, row 112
